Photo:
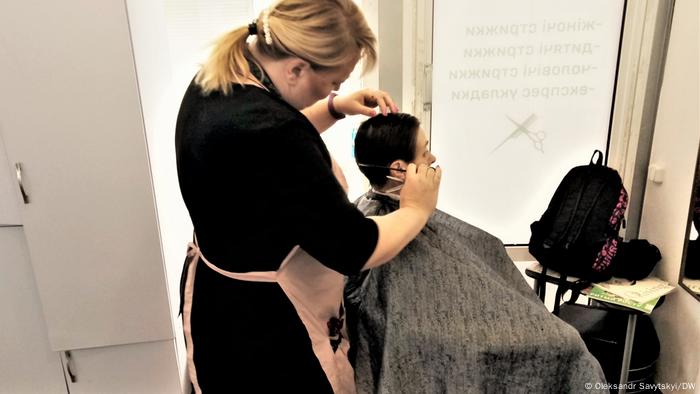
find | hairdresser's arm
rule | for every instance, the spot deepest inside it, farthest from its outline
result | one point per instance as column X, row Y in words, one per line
column 361, row 102
column 418, row 201
column 339, row 175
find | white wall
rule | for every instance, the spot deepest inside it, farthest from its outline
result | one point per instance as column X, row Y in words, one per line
column 155, row 78
column 665, row 212
column 9, row 198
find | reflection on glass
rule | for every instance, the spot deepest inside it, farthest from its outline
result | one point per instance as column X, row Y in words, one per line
column 690, row 269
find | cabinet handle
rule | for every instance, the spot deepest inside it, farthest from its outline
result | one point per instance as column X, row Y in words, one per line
column 18, row 169
column 69, row 366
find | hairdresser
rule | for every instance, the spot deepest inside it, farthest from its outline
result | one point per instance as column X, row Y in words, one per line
column 275, row 233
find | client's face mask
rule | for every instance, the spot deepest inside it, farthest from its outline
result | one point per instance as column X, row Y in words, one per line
column 397, row 187
column 393, row 178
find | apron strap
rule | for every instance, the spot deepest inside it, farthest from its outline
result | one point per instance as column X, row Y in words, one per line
column 193, row 250
column 192, row 254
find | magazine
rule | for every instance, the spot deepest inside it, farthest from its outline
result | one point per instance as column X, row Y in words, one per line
column 596, row 293
column 640, row 291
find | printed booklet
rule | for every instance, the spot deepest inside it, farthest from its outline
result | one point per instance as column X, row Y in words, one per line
column 596, row 293
column 640, row 291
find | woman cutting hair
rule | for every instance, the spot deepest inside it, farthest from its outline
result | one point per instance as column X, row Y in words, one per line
column 275, row 232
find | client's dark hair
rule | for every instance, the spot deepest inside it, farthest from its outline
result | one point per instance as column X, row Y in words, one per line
column 382, row 139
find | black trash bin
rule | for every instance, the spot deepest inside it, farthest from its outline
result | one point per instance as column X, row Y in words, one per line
column 604, row 332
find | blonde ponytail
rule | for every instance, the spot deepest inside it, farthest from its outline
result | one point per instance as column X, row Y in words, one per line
column 226, row 64
column 326, row 33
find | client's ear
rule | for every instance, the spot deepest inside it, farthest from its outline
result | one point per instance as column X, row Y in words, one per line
column 399, row 164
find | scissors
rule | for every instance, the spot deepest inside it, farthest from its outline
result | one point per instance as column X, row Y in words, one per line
column 536, row 137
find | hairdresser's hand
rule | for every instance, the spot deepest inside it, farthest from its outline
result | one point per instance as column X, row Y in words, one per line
column 364, row 101
column 420, row 189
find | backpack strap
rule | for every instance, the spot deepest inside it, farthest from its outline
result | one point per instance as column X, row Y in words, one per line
column 576, row 289
column 575, row 231
column 556, row 236
column 541, row 284
column 561, row 289
column 598, row 162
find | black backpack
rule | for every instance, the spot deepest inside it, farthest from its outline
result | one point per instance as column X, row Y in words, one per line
column 578, row 233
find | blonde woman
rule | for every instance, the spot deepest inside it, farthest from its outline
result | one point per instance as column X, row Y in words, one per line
column 275, row 232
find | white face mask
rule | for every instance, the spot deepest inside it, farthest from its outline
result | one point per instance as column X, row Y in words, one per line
column 395, row 188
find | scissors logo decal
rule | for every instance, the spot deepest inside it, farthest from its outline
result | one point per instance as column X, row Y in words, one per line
column 536, row 137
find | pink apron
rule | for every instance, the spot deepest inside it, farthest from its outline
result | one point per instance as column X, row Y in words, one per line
column 316, row 292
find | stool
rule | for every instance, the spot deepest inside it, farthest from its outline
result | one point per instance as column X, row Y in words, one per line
column 543, row 276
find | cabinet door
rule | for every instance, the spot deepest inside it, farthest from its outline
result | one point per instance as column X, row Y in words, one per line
column 70, row 113
column 148, row 368
column 9, row 202
column 27, row 364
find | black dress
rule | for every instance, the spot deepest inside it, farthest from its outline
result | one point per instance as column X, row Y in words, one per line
column 256, row 178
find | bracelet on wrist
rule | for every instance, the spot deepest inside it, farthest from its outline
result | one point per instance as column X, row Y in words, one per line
column 331, row 108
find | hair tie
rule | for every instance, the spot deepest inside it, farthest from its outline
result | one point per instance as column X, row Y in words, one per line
column 266, row 26
column 253, row 28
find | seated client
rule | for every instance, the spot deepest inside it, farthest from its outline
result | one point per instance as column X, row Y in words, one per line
column 452, row 313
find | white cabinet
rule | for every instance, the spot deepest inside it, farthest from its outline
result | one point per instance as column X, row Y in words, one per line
column 27, row 363
column 71, row 114
column 148, row 368
column 71, row 111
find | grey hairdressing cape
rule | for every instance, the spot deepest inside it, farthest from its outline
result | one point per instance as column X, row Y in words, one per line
column 452, row 314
